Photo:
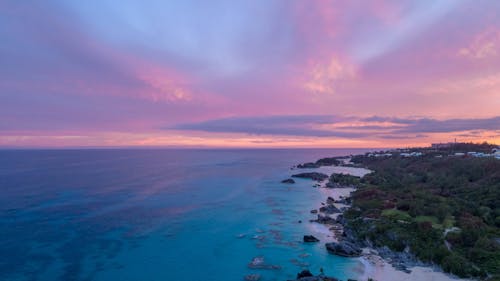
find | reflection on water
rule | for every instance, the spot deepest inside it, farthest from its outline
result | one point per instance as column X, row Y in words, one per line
column 156, row 214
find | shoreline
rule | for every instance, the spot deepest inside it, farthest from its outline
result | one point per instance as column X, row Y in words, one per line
column 374, row 265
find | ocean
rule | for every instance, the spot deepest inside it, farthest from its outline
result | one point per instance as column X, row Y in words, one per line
column 160, row 214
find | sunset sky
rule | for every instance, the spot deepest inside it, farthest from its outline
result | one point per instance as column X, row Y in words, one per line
column 248, row 73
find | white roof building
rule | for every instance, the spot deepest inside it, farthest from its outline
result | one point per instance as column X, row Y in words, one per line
column 496, row 152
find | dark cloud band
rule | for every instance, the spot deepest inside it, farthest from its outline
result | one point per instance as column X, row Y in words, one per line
column 313, row 126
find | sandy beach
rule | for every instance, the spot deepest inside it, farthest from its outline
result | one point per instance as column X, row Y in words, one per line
column 380, row 270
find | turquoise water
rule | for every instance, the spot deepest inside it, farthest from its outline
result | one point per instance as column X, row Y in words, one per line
column 159, row 215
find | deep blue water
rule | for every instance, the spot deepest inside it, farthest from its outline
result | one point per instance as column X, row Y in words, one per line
column 158, row 215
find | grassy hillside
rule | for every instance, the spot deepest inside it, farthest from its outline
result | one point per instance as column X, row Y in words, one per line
column 446, row 210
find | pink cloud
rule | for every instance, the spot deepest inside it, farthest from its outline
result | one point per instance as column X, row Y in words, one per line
column 323, row 77
column 485, row 45
column 62, row 74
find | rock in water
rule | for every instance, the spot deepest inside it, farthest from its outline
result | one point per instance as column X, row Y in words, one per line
column 313, row 175
column 258, row 263
column 252, row 277
column 308, row 165
column 304, row 273
column 289, row 181
column 344, row 249
column 310, row 238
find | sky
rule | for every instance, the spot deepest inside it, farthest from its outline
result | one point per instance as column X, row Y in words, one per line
column 259, row 73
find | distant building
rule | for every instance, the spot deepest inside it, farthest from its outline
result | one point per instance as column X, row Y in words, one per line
column 477, row 154
column 379, row 154
column 496, row 152
column 442, row 145
column 412, row 154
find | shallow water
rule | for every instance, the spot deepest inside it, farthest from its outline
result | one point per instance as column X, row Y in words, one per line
column 159, row 215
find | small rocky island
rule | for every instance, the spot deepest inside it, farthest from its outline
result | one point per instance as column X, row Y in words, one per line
column 288, row 181
column 315, row 176
column 306, row 275
column 310, row 238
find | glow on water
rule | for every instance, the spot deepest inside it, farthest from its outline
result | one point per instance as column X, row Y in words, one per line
column 159, row 215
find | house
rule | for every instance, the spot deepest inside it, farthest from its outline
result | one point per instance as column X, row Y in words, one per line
column 477, row 154
column 412, row 154
column 379, row 154
column 496, row 152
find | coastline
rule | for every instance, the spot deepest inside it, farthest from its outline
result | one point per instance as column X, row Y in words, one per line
column 372, row 264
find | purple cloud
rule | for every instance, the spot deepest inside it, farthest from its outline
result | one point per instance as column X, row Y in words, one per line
column 289, row 125
column 314, row 126
column 428, row 125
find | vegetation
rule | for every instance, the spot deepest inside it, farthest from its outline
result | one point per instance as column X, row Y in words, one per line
column 328, row 161
column 342, row 179
column 446, row 210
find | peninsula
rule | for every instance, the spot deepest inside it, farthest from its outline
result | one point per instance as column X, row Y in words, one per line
column 438, row 205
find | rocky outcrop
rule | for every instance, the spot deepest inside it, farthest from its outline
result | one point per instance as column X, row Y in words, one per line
column 317, row 278
column 399, row 260
column 289, row 181
column 306, row 275
column 344, row 200
column 344, row 249
column 310, row 239
column 324, row 220
column 330, row 161
column 312, row 175
column 338, row 185
column 252, row 277
column 329, row 209
column 309, row 165
column 342, row 180
column 258, row 263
